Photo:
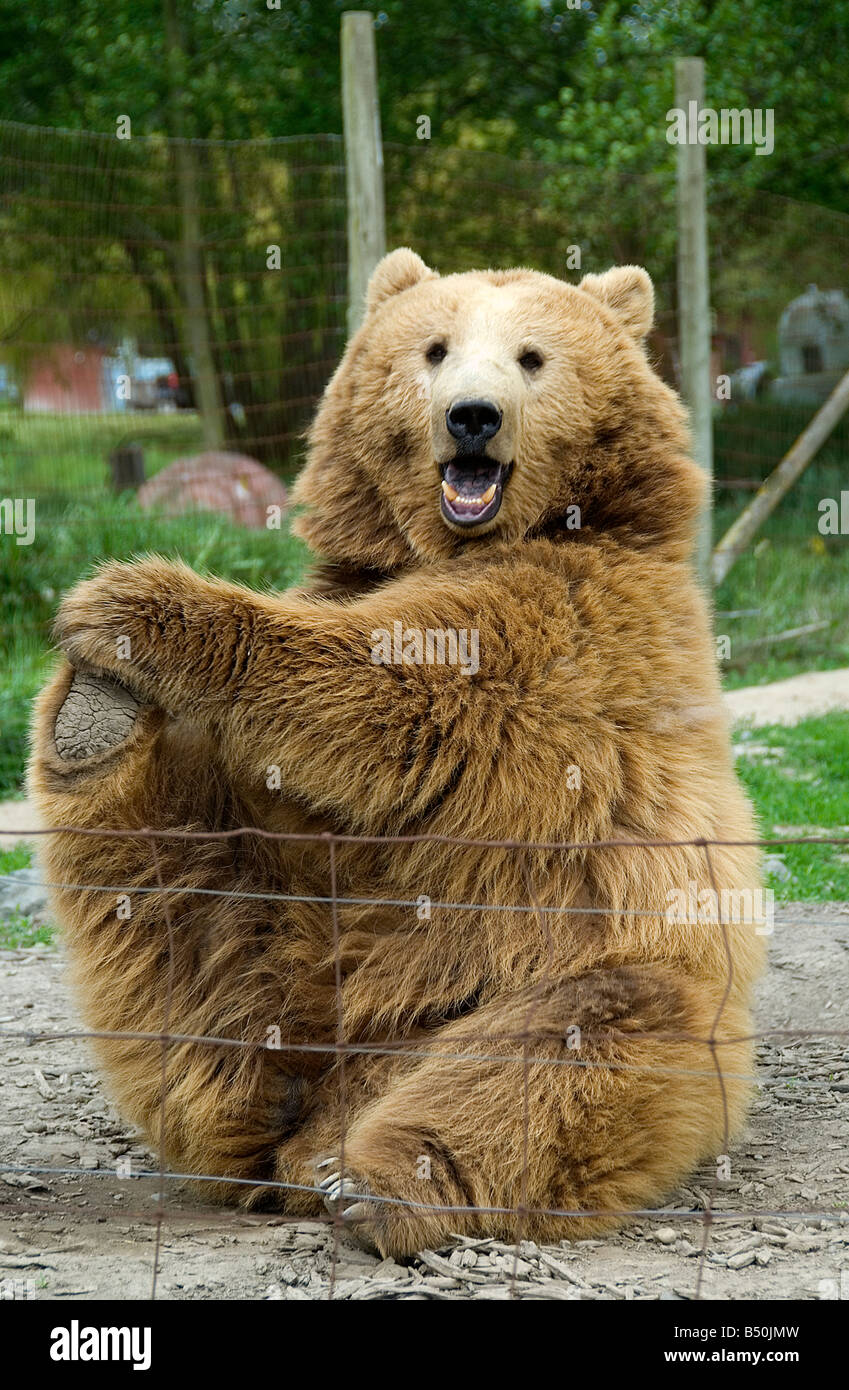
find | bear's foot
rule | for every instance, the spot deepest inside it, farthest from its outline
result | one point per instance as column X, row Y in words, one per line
column 395, row 1212
column 351, row 1200
column 96, row 716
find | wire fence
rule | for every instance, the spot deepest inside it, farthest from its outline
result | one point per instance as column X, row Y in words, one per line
column 471, row 1046
column 94, row 284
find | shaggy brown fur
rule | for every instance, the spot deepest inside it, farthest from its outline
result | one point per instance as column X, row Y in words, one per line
column 595, row 655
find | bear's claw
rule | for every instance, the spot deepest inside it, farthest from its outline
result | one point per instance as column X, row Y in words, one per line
column 96, row 716
column 338, row 1190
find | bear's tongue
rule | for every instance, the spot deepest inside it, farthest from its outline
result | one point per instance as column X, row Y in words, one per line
column 470, row 489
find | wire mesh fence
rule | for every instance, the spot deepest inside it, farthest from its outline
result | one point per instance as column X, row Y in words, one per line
column 520, row 1051
column 93, row 236
column 94, row 281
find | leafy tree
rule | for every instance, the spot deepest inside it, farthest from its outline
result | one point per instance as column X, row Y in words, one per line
column 252, row 71
column 768, row 54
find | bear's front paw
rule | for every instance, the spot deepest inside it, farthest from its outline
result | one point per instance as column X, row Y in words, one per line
column 115, row 622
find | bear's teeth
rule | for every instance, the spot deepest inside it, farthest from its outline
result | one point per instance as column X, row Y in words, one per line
column 469, row 501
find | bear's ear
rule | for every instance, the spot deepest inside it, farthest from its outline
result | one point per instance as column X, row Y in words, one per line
column 399, row 270
column 627, row 290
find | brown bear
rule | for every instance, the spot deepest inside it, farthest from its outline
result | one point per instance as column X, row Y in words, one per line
column 460, row 996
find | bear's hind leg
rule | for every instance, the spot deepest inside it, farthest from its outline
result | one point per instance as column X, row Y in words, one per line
column 159, row 931
column 482, row 1130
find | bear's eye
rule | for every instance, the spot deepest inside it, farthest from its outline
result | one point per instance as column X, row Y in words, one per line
column 436, row 353
column 530, row 361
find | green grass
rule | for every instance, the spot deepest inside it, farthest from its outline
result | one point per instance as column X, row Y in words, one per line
column 798, row 779
column 62, row 462
column 793, row 577
column 18, row 857
column 66, row 457
column 17, row 930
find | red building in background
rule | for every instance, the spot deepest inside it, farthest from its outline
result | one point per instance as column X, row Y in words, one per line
column 67, row 379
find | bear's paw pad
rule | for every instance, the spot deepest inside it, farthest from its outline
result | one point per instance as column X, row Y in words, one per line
column 96, row 716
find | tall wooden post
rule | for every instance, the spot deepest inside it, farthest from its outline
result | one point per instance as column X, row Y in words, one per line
column 694, row 293
column 363, row 158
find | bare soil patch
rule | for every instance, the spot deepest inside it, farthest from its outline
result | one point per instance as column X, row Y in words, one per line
column 781, row 1226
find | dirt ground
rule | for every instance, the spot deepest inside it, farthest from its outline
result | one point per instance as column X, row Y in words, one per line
column 786, row 702
column 85, row 1233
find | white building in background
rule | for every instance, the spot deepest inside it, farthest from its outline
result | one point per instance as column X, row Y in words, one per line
column 813, row 346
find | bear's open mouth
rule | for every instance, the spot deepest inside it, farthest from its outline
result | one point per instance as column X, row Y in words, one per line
column 472, row 489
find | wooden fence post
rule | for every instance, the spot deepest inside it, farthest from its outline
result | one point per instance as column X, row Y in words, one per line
column 363, row 158
column 693, row 293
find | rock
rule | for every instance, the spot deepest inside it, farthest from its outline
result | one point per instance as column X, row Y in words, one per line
column 775, row 865
column 344, row 1272
column 388, row 1269
column 233, row 485
column 666, row 1235
column 24, row 1180
column 750, row 1243
column 41, row 1082
column 22, row 890
column 745, row 1257
column 441, row 1267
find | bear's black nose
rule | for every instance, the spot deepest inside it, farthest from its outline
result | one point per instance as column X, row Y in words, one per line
column 472, row 423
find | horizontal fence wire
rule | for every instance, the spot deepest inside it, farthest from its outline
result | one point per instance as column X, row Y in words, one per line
column 467, row 1047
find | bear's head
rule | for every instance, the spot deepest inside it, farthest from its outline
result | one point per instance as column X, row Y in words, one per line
column 496, row 406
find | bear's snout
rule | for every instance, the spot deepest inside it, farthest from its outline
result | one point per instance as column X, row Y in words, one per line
column 472, row 423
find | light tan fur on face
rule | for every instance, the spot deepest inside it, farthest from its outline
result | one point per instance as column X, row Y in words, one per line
column 595, row 656
column 594, row 427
